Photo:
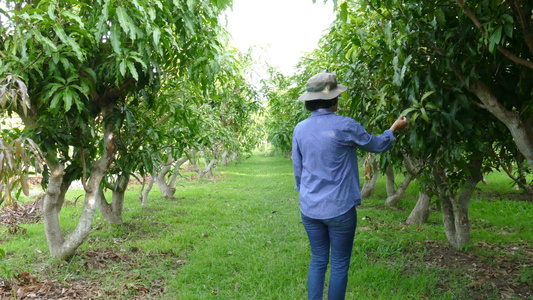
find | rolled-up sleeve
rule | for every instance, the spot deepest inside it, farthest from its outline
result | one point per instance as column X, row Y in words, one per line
column 296, row 162
column 357, row 135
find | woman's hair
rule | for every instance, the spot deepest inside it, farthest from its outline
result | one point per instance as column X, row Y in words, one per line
column 317, row 104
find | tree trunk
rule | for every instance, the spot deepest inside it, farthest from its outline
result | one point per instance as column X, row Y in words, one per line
column 394, row 198
column 225, row 160
column 144, row 200
column 208, row 166
column 112, row 212
column 454, row 206
column 371, row 175
column 206, row 170
column 64, row 248
column 413, row 168
column 421, row 211
column 52, row 206
column 391, row 186
column 167, row 189
column 521, row 130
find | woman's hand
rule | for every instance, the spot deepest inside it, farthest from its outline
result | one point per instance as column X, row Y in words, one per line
column 399, row 124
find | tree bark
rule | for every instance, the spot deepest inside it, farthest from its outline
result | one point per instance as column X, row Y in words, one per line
column 112, row 212
column 167, row 189
column 64, row 248
column 206, row 170
column 521, row 130
column 413, row 168
column 225, row 160
column 454, row 206
column 208, row 165
column 394, row 198
column 391, row 185
column 421, row 211
column 52, row 206
column 144, row 200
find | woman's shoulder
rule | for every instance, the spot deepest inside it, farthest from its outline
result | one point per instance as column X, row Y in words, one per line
column 348, row 120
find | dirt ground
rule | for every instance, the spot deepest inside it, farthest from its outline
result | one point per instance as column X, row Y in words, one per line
column 501, row 275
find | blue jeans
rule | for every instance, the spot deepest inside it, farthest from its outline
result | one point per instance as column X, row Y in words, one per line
column 336, row 234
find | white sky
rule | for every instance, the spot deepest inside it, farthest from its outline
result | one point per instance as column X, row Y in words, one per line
column 284, row 28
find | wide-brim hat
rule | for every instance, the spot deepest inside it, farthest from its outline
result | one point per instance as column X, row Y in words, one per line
column 322, row 86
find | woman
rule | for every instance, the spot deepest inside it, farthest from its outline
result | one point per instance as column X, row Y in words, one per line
column 327, row 177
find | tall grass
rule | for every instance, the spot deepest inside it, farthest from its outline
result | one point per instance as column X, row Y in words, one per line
column 239, row 236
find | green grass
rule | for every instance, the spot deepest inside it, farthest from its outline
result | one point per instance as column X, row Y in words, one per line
column 239, row 236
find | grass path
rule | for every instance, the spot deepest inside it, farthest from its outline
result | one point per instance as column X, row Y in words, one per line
column 239, row 236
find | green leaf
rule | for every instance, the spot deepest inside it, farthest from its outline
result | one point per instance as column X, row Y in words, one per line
column 432, row 106
column 509, row 30
column 90, row 72
column 122, row 67
column 69, row 15
column 495, row 38
column 133, row 71
column 508, row 18
column 61, row 33
column 191, row 5
column 43, row 39
column 408, row 110
column 414, row 117
column 151, row 13
column 68, row 40
column 126, row 22
column 439, row 14
column 426, row 94
column 67, row 99
column 344, row 12
column 189, row 25
column 115, row 39
column 156, row 35
column 53, row 87
column 424, row 115
column 55, row 101
column 51, row 11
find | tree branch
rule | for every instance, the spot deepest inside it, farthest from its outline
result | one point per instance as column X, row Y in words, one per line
column 115, row 92
column 504, row 166
column 500, row 48
column 477, row 104
column 84, row 170
column 524, row 18
column 372, row 6
column 455, row 70
column 514, row 58
column 163, row 119
column 33, row 62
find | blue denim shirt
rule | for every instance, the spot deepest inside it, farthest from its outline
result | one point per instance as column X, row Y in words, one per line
column 325, row 162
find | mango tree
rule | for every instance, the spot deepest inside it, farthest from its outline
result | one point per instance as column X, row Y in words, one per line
column 83, row 61
column 284, row 111
column 219, row 116
column 422, row 60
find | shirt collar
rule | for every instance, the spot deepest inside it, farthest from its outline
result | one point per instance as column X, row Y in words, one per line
column 321, row 112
